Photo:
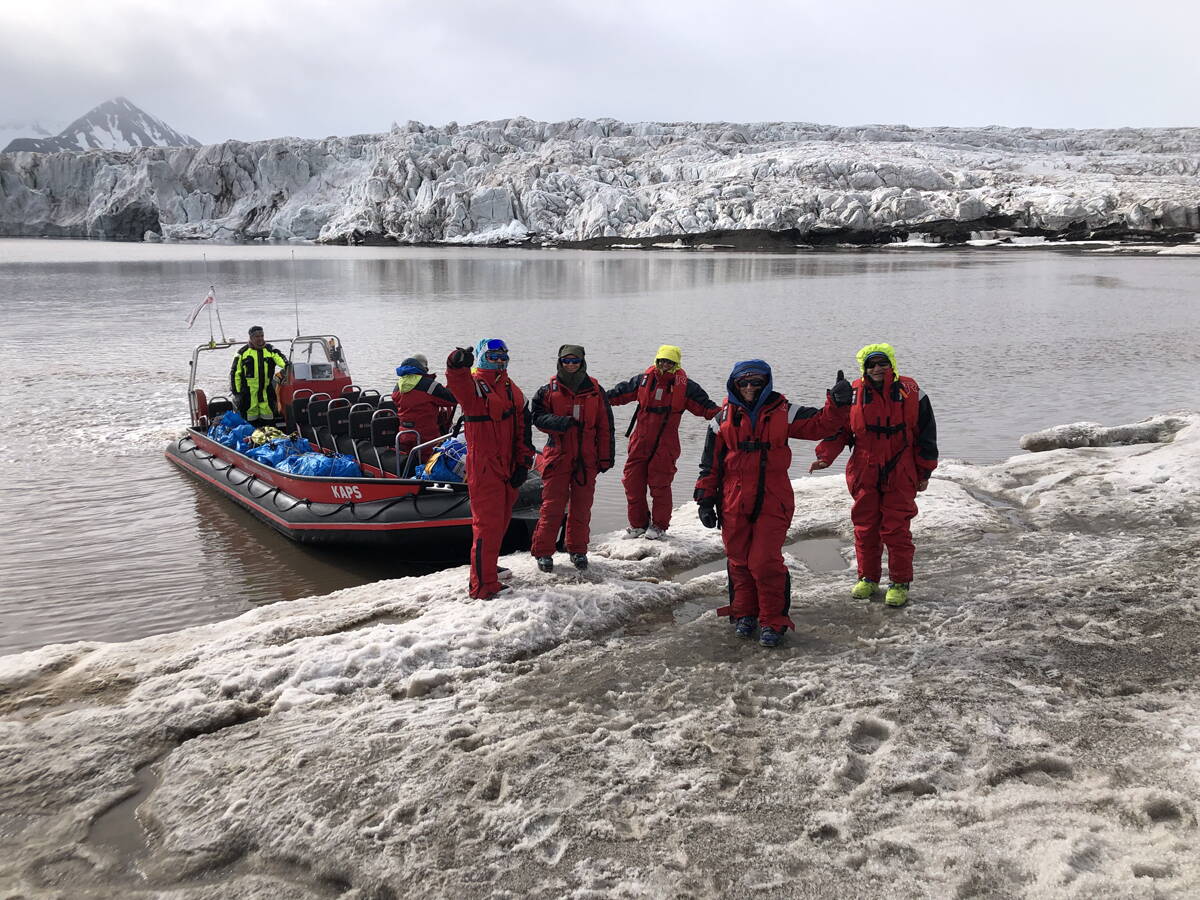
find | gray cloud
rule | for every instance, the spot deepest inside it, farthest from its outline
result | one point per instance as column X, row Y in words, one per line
column 310, row 68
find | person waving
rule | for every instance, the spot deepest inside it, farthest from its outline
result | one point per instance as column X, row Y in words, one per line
column 499, row 451
column 744, row 487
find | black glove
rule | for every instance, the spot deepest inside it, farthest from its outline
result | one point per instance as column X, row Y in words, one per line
column 518, row 476
column 708, row 515
column 842, row 392
column 460, row 358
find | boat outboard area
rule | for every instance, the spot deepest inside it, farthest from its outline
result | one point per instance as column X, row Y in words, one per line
column 338, row 466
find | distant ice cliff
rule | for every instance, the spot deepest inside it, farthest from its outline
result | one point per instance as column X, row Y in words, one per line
column 607, row 182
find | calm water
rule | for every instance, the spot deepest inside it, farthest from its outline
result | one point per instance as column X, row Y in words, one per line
column 104, row 539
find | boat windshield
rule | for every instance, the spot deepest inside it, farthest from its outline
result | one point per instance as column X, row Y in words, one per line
column 318, row 358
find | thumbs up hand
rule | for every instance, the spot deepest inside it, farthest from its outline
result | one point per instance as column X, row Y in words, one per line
column 842, row 392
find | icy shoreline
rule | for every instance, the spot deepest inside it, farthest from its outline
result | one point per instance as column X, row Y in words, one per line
column 601, row 183
column 1029, row 726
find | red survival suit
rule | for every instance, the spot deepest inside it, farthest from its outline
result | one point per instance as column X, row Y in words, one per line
column 894, row 436
column 426, row 407
column 654, row 444
column 744, row 469
column 581, row 444
column 498, row 444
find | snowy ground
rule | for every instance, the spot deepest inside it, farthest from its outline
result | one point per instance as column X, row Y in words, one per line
column 1029, row 726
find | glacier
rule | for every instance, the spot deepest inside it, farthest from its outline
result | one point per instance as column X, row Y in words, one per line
column 602, row 183
column 1028, row 727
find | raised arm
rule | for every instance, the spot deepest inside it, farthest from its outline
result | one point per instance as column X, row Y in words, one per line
column 460, row 383
column 698, row 402
column 626, row 391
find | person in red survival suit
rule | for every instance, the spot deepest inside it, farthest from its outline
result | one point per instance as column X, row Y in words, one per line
column 574, row 411
column 894, row 440
column 662, row 393
column 499, row 452
column 744, row 475
column 423, row 405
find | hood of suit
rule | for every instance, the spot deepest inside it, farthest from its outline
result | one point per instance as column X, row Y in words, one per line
column 750, row 367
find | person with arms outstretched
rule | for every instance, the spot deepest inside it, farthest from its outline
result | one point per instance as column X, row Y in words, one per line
column 663, row 393
column 744, row 487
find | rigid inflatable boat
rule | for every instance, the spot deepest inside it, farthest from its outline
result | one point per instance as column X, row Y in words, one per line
column 386, row 505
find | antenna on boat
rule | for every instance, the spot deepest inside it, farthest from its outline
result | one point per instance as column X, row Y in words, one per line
column 212, row 292
column 295, row 301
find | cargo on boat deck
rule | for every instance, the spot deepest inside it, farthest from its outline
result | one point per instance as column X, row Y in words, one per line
column 385, row 505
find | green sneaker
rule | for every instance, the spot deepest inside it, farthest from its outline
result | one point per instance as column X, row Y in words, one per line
column 897, row 594
column 864, row 589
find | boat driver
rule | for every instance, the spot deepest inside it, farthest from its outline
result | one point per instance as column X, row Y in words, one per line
column 252, row 376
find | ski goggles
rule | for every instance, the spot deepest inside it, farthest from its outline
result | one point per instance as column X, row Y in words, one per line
column 751, row 381
column 876, row 361
column 570, row 360
column 496, row 351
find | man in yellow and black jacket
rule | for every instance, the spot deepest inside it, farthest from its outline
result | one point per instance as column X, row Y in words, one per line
column 251, row 376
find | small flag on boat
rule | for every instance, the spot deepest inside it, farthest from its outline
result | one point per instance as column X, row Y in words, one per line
column 211, row 298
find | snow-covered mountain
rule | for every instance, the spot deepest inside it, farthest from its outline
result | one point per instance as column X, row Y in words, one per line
column 605, row 183
column 113, row 125
column 27, row 128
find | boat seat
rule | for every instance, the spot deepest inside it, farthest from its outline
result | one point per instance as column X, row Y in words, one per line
column 297, row 412
column 317, row 430
column 358, row 430
column 217, row 407
column 369, row 395
column 383, row 458
column 385, row 425
column 339, row 416
column 379, row 449
column 339, row 424
column 387, row 403
column 351, row 392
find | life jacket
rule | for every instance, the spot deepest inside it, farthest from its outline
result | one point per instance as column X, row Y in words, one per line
column 494, row 436
column 654, row 400
column 756, row 456
column 577, row 446
column 883, row 426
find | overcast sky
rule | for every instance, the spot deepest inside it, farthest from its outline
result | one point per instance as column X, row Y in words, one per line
column 255, row 69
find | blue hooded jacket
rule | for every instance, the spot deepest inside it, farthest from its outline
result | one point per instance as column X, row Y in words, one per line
column 748, row 367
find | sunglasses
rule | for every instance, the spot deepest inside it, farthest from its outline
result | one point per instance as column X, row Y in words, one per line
column 876, row 363
column 496, row 356
column 570, row 360
column 751, row 381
